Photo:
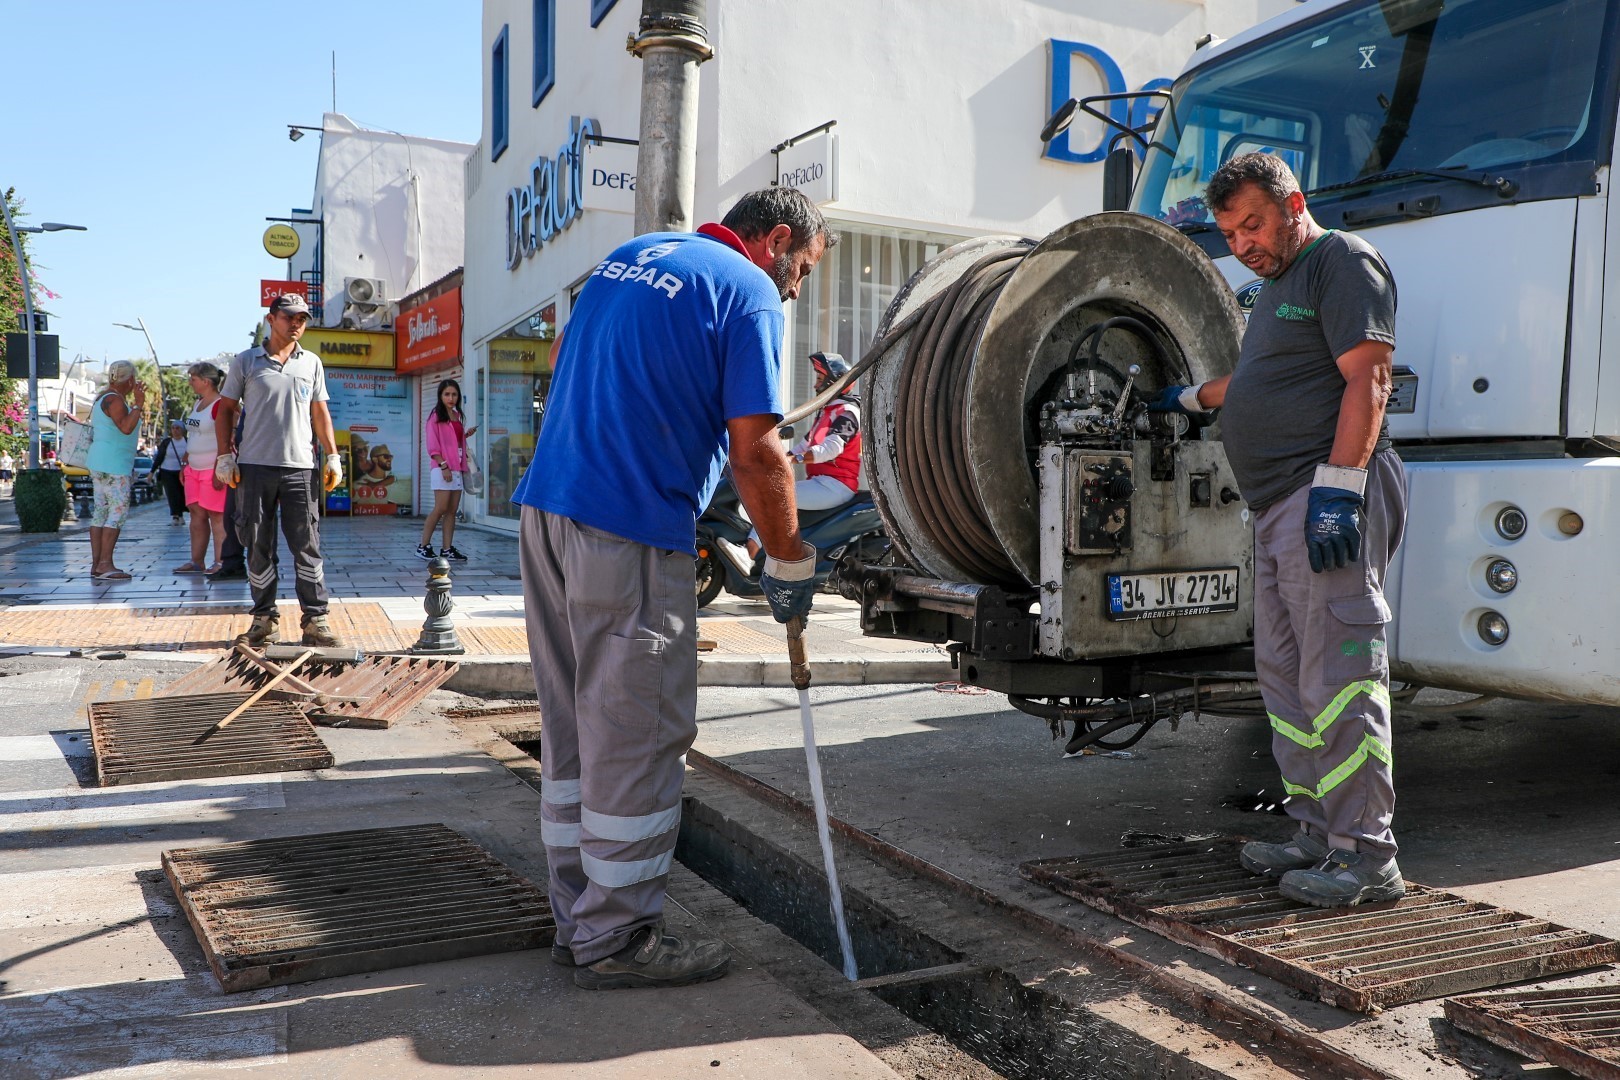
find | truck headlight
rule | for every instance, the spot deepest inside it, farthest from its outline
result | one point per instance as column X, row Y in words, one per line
column 1511, row 523
column 1493, row 628
column 1502, row 576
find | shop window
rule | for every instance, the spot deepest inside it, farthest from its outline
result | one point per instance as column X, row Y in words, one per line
column 500, row 93
column 599, row 10
column 545, row 47
column 518, row 378
column 847, row 294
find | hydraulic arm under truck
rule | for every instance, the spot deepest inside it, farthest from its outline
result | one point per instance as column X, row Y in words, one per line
column 1079, row 552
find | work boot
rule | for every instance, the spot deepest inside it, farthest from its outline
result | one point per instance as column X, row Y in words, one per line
column 655, row 958
column 265, row 629
column 1301, row 852
column 562, row 956
column 318, row 632
column 1344, row 879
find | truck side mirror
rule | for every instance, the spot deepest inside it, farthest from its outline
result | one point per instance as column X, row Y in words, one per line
column 785, row 433
column 1119, row 173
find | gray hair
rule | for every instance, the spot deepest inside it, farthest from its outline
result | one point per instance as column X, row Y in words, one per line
column 204, row 369
column 758, row 212
column 119, row 370
column 1268, row 171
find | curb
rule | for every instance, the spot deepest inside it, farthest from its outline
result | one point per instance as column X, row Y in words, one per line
column 498, row 675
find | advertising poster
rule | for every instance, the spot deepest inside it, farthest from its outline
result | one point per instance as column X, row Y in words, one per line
column 376, row 434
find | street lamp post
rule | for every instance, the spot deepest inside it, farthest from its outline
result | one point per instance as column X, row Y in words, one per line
column 157, row 365
column 28, row 314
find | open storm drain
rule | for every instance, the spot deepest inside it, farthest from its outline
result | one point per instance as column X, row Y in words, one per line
column 1426, row 945
column 292, row 909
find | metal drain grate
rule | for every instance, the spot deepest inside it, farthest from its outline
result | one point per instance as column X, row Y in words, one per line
column 1426, row 945
column 145, row 740
column 293, row 909
column 1577, row 1029
column 381, row 689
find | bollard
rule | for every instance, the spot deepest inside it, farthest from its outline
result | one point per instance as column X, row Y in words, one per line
column 438, row 632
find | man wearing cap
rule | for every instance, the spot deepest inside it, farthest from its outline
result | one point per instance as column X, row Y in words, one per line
column 279, row 390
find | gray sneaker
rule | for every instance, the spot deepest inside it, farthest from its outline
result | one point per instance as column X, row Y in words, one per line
column 264, row 630
column 1301, row 852
column 656, row 958
column 1344, row 879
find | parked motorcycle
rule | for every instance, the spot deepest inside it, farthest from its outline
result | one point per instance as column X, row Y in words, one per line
column 853, row 526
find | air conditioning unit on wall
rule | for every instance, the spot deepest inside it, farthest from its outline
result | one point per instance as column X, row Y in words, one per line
column 365, row 304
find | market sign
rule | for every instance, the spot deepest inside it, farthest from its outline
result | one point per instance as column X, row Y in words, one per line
column 811, row 166
column 350, row 348
column 281, row 241
column 429, row 335
column 269, row 290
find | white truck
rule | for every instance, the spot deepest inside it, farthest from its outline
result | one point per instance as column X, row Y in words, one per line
column 1470, row 141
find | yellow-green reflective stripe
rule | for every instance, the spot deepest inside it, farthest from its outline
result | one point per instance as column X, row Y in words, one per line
column 1324, row 720
column 1370, row 747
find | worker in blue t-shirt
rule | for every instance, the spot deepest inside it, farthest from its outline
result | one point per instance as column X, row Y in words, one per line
column 667, row 370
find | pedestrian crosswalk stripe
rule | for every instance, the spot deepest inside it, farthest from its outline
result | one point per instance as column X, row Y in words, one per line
column 44, row 747
column 187, row 800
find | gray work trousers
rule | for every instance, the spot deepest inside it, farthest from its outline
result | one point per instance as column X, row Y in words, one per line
column 265, row 490
column 1320, row 653
column 612, row 628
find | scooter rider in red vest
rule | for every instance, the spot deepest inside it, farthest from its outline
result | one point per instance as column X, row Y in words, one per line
column 831, row 452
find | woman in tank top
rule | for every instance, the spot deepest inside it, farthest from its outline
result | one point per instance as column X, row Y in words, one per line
column 115, row 426
column 205, row 494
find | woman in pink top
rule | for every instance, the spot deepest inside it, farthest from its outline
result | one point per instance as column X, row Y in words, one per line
column 447, row 450
column 205, row 495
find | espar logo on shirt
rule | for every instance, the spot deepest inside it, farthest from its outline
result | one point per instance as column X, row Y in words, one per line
column 643, row 270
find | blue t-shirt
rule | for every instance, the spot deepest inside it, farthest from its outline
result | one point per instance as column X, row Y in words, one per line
column 673, row 335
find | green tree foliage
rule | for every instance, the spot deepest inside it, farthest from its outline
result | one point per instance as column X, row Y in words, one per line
column 13, row 396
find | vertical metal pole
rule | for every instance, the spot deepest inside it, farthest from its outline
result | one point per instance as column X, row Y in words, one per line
column 672, row 42
column 33, row 357
column 162, row 421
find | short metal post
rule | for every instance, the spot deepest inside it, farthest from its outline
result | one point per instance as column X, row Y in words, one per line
column 438, row 632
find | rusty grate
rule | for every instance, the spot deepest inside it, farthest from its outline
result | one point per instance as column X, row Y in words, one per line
column 149, row 739
column 1426, row 945
column 1575, row 1029
column 377, row 691
column 298, row 908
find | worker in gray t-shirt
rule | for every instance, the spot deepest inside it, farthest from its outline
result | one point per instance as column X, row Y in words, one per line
column 279, row 388
column 1303, row 425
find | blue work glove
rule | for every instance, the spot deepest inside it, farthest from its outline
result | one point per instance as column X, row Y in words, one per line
column 790, row 587
column 1181, row 399
column 1332, row 517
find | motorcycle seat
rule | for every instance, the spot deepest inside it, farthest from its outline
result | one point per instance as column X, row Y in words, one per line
column 808, row 518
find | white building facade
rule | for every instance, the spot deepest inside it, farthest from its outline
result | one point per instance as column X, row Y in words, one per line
column 918, row 125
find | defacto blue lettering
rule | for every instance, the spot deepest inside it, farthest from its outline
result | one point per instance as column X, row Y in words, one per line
column 551, row 200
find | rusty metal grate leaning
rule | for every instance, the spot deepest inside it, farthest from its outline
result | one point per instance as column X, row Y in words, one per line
column 298, row 908
column 1426, row 945
column 371, row 694
column 151, row 739
column 1576, row 1029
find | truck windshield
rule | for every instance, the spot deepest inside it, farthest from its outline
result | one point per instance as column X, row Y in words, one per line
column 1361, row 96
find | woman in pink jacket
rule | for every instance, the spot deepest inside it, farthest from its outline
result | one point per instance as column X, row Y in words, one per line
column 447, row 450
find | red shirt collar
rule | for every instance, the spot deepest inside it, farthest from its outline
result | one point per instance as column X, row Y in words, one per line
column 725, row 236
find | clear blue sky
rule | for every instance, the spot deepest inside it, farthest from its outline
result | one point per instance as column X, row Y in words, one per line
column 163, row 129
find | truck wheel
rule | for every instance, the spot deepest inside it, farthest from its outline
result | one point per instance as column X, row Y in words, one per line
column 711, row 576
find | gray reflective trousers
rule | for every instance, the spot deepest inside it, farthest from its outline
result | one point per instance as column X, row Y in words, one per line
column 1320, row 653
column 612, row 628
column 264, row 491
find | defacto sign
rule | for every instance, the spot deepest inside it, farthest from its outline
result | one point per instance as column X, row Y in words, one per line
column 552, row 197
column 610, row 177
column 281, row 241
column 429, row 335
column 269, row 290
column 1105, row 77
column 812, row 167
column 350, row 348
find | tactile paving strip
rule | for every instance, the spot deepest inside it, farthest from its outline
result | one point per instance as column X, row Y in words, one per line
column 1576, row 1029
column 1426, row 945
column 298, row 908
column 170, row 738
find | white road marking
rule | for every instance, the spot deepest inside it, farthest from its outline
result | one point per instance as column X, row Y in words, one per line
column 81, row 895
column 190, row 800
column 53, row 747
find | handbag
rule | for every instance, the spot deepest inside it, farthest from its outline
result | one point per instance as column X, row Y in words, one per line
column 73, row 442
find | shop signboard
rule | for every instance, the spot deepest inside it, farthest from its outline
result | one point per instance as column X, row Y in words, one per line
column 610, row 177
column 811, row 165
column 351, row 348
column 376, row 434
column 429, row 335
column 269, row 290
column 281, row 241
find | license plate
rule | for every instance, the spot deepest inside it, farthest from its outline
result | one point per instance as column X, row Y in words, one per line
column 1172, row 592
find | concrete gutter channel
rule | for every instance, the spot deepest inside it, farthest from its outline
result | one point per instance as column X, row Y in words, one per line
column 957, row 980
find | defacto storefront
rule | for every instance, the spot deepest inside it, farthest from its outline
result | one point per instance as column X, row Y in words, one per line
column 912, row 126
